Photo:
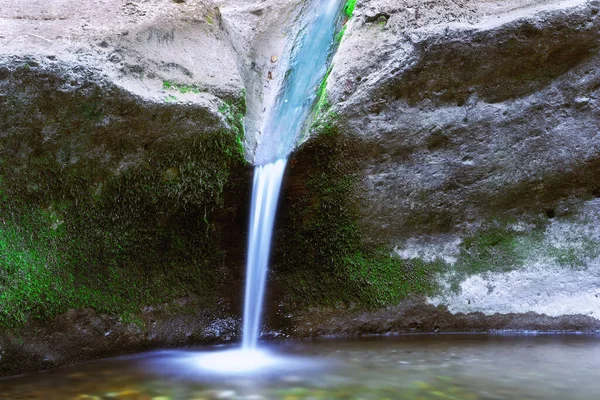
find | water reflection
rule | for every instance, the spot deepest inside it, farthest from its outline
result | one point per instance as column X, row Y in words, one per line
column 407, row 367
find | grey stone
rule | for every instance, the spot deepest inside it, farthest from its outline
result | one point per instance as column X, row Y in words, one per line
column 470, row 113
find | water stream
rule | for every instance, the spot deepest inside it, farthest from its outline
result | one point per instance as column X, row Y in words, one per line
column 308, row 63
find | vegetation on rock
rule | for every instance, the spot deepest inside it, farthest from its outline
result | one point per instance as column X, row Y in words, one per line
column 320, row 255
column 181, row 87
column 349, row 8
column 107, row 202
column 323, row 258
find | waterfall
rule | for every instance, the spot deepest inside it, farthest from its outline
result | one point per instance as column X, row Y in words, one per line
column 265, row 193
column 309, row 60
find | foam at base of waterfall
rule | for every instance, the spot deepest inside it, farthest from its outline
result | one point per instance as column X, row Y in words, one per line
column 237, row 361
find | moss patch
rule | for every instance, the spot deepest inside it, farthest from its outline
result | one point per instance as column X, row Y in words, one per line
column 322, row 105
column 321, row 258
column 495, row 248
column 341, row 33
column 349, row 8
column 502, row 247
column 234, row 113
column 181, row 87
column 111, row 202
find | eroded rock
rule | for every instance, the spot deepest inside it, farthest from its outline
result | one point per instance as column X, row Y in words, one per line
column 473, row 129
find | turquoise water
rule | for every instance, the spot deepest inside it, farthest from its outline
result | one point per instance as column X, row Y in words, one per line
column 310, row 58
column 472, row 367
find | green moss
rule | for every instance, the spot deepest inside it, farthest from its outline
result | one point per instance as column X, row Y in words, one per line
column 321, row 258
column 501, row 247
column 321, row 117
column 387, row 279
column 341, row 33
column 234, row 113
column 92, row 111
column 181, row 87
column 349, row 8
column 323, row 104
column 144, row 240
column 348, row 12
column 111, row 217
column 495, row 249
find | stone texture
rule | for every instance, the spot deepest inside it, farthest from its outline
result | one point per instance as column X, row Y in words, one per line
column 415, row 316
column 475, row 115
column 84, row 335
column 465, row 117
column 221, row 47
column 134, row 44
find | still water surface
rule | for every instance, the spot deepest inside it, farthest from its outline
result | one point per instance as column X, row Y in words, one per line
column 406, row 367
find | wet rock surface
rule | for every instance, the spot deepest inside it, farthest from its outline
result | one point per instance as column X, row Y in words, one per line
column 83, row 335
column 416, row 316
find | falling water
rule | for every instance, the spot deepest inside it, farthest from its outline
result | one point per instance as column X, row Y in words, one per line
column 309, row 60
column 265, row 192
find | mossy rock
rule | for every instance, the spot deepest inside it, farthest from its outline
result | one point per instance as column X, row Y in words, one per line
column 109, row 201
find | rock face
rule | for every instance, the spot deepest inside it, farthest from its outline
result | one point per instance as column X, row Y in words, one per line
column 192, row 52
column 474, row 126
column 137, row 45
column 80, row 335
column 123, row 182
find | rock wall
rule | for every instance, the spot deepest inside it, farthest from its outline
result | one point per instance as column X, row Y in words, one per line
column 123, row 183
column 474, row 130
